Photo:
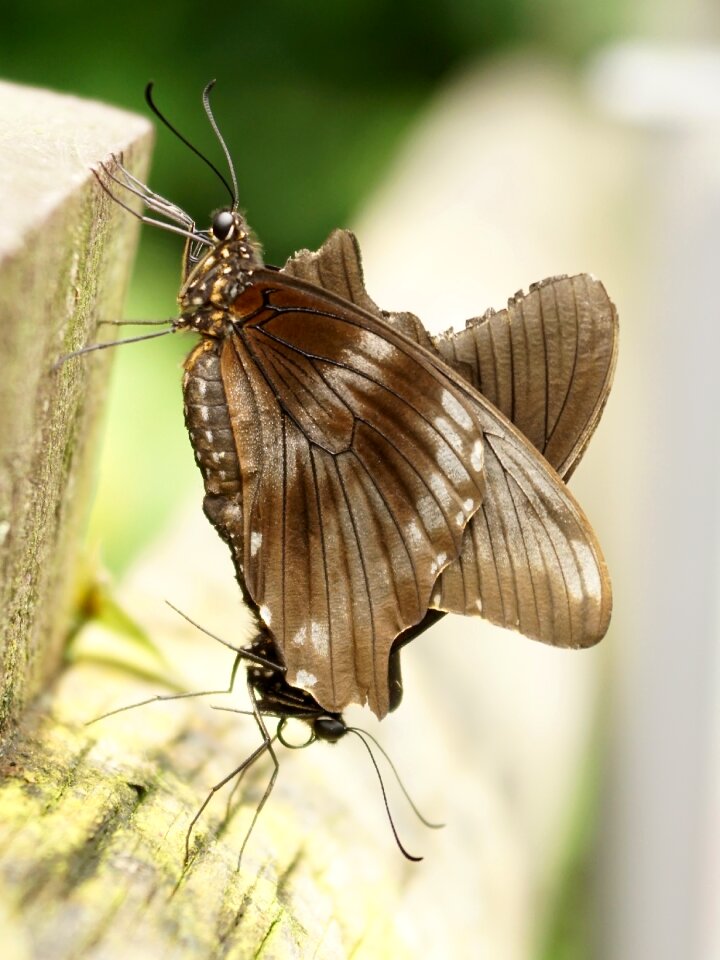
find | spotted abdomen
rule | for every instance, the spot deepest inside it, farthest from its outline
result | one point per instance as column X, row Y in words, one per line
column 208, row 423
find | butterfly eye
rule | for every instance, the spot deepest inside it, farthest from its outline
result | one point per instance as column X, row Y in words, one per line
column 222, row 225
column 329, row 728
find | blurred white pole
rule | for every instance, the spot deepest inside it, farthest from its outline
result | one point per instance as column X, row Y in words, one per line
column 659, row 835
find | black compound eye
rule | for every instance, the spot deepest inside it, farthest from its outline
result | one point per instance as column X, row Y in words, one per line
column 329, row 728
column 222, row 225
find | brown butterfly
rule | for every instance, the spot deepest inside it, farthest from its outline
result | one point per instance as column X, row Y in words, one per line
column 368, row 477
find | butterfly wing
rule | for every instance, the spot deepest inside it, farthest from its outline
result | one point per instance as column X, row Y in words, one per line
column 529, row 560
column 361, row 463
column 546, row 362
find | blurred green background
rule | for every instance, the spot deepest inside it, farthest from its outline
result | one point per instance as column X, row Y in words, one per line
column 314, row 101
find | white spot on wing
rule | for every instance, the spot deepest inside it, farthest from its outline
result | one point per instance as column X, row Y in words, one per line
column 265, row 615
column 319, row 637
column 413, row 533
column 447, row 431
column 476, row 457
column 450, row 464
column 468, row 505
column 460, row 519
column 378, row 348
column 455, row 409
column 255, row 542
column 299, row 638
column 305, row 679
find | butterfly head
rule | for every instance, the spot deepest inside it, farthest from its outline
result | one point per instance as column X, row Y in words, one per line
column 219, row 277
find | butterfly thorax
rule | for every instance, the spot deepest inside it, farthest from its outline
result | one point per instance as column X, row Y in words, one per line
column 221, row 276
column 275, row 696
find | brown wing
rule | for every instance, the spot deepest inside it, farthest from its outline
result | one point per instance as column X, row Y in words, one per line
column 528, row 562
column 361, row 463
column 547, row 362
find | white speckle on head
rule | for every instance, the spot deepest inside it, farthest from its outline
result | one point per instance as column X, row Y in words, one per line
column 299, row 638
column 255, row 542
column 476, row 457
column 265, row 615
column 319, row 637
column 448, row 432
column 453, row 408
column 468, row 505
column 305, row 679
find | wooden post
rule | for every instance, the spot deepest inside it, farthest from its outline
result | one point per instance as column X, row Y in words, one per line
column 65, row 256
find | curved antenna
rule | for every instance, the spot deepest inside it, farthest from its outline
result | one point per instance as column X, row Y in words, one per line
column 213, row 124
column 383, row 751
column 163, row 119
column 402, row 849
column 106, row 346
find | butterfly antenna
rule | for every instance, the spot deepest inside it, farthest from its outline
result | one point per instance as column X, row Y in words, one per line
column 221, row 140
column 164, row 120
column 402, row 849
column 106, row 346
column 421, row 818
column 245, row 654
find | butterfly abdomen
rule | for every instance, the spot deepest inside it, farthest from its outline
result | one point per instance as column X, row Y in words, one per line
column 208, row 422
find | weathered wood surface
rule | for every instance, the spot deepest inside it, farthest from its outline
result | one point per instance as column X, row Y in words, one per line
column 65, row 257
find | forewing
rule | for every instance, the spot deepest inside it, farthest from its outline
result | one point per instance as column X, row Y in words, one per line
column 361, row 464
column 530, row 560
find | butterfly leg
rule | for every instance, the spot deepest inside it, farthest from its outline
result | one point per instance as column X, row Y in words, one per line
column 174, row 696
column 238, row 771
column 268, row 745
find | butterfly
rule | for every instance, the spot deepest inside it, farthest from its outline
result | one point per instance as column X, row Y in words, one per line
column 368, row 477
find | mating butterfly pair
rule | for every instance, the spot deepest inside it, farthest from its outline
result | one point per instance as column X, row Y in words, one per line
column 368, row 477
